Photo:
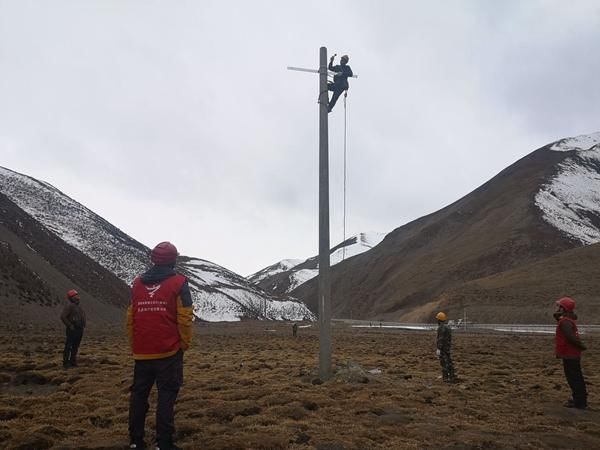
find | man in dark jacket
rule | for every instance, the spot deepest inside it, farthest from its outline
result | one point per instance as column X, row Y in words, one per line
column 569, row 346
column 159, row 325
column 74, row 319
column 340, row 79
column 444, row 343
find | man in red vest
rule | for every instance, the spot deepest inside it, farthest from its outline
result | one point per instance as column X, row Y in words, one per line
column 569, row 346
column 159, row 325
column 73, row 317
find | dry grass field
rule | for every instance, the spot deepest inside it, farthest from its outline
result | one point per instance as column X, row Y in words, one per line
column 254, row 386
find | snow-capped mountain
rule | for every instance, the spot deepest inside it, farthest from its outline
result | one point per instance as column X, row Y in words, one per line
column 222, row 295
column 502, row 253
column 282, row 266
column 218, row 293
column 285, row 276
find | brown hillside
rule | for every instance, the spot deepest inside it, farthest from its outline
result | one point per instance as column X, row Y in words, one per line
column 491, row 230
column 526, row 294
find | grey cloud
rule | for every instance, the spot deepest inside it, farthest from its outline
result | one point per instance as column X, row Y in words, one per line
column 187, row 108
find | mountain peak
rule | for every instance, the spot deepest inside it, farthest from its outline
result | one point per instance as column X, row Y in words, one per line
column 583, row 142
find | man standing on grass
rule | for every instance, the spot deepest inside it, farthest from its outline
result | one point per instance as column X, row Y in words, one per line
column 74, row 319
column 159, row 325
column 444, row 343
column 568, row 346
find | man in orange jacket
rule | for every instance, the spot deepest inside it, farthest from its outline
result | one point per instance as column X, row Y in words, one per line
column 159, row 325
column 568, row 346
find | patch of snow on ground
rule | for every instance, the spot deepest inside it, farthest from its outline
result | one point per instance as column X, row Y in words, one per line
column 301, row 276
column 525, row 330
column 572, row 197
column 207, row 277
column 215, row 307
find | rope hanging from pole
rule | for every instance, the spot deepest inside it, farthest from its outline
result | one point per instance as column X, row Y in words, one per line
column 345, row 139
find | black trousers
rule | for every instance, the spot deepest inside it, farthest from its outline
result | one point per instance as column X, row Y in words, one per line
column 167, row 373
column 447, row 366
column 72, row 342
column 576, row 381
column 337, row 91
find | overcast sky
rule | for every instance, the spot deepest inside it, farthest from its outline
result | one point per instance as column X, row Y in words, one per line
column 177, row 120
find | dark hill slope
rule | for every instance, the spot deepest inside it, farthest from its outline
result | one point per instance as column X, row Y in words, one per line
column 495, row 228
column 39, row 267
column 526, row 294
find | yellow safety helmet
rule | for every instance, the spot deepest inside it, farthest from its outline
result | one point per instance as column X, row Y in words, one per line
column 441, row 316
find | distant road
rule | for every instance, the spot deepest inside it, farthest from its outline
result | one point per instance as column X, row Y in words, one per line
column 503, row 328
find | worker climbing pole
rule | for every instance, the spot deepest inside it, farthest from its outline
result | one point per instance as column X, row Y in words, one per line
column 340, row 79
column 338, row 86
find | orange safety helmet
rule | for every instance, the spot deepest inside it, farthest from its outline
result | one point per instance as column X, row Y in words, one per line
column 441, row 316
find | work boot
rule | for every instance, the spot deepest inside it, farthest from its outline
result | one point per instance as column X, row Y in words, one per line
column 138, row 445
column 166, row 445
column 572, row 404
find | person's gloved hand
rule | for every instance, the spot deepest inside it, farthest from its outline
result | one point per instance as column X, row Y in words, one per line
column 438, row 353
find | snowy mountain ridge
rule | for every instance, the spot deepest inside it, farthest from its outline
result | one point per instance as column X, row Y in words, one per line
column 279, row 267
column 76, row 225
column 218, row 294
column 570, row 201
column 291, row 273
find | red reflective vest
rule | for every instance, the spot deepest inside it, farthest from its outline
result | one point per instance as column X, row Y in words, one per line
column 154, row 318
column 563, row 348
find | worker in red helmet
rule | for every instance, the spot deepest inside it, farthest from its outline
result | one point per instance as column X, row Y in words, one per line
column 73, row 317
column 568, row 347
column 159, row 325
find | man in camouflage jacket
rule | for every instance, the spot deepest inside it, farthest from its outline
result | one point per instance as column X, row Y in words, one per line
column 444, row 343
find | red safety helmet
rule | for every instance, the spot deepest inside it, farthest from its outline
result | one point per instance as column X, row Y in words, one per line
column 567, row 303
column 72, row 293
column 164, row 253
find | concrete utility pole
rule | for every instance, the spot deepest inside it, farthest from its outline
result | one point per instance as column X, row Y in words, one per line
column 324, row 247
column 324, row 278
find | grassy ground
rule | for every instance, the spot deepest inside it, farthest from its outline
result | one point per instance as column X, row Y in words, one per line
column 254, row 386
